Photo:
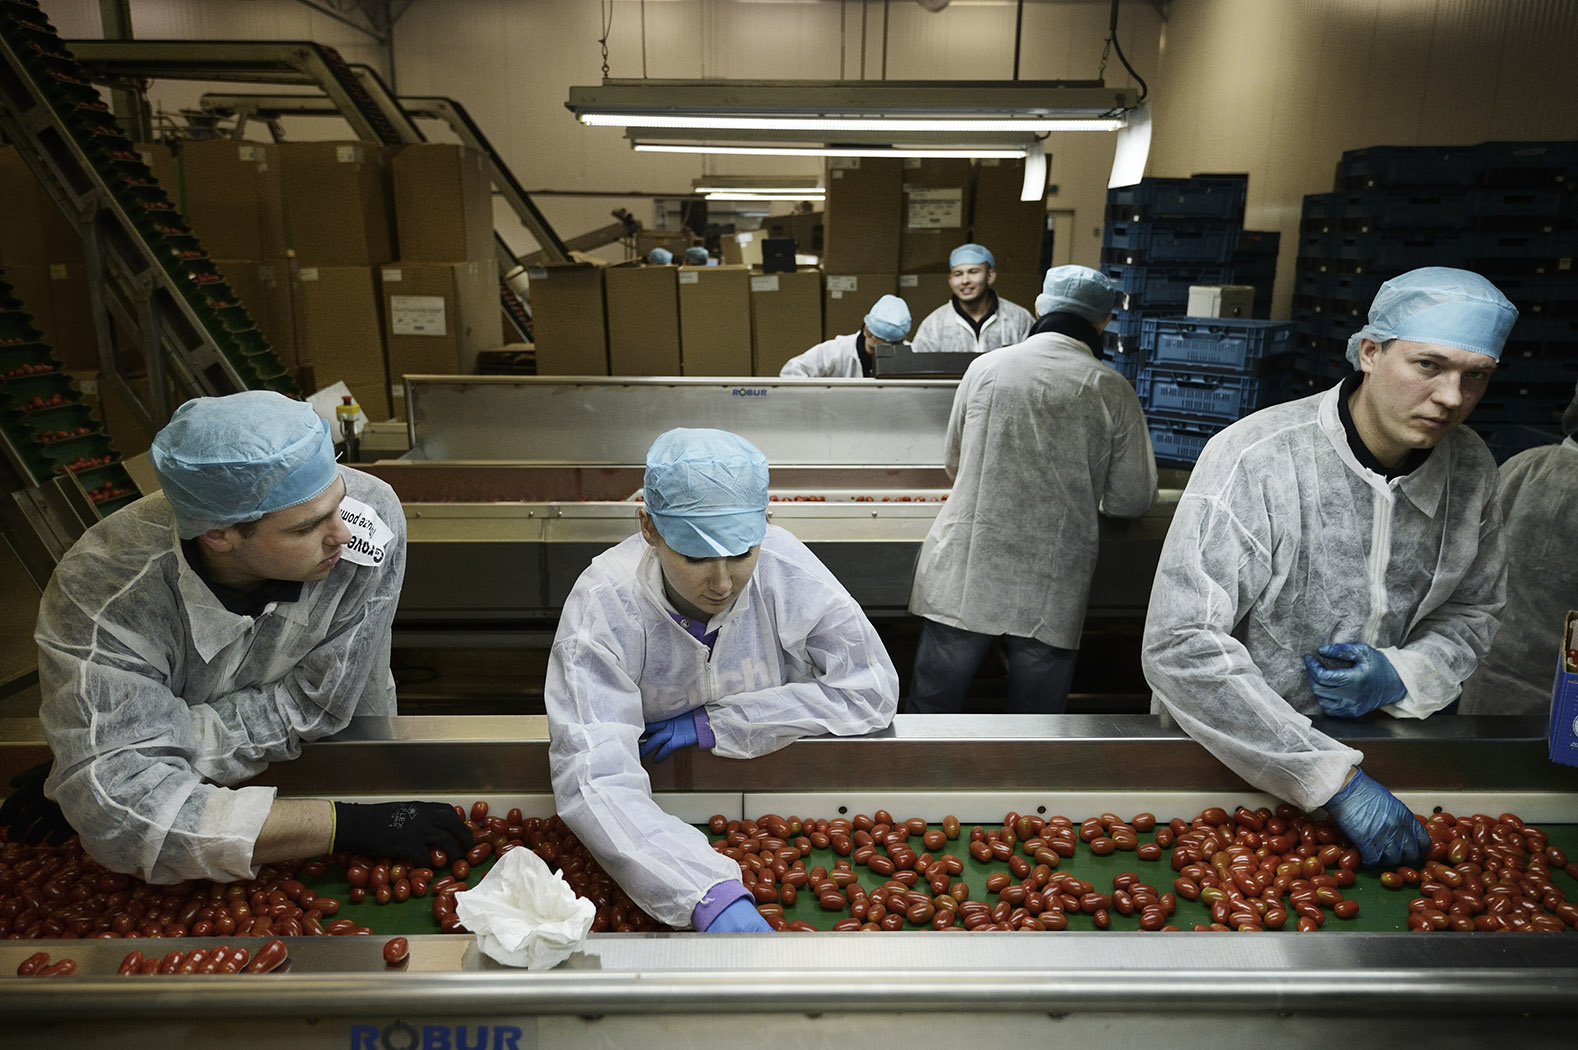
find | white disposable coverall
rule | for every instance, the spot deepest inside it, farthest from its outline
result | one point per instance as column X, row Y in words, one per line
column 1538, row 496
column 834, row 358
column 154, row 692
column 944, row 331
column 794, row 656
column 1042, row 436
column 1282, row 543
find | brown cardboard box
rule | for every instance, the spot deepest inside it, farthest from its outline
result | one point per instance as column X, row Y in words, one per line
column 743, row 248
column 806, row 228
column 936, row 212
column 1010, row 228
column 643, row 320
column 715, row 320
column 33, row 229
column 264, row 288
column 443, row 201
column 162, row 163
column 923, row 293
column 849, row 297
column 438, row 317
column 862, row 215
column 676, row 241
column 337, row 206
column 231, row 196
column 1018, row 287
column 786, row 318
column 339, row 326
column 569, row 325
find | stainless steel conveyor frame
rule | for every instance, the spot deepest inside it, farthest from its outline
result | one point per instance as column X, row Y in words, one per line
column 1105, row 989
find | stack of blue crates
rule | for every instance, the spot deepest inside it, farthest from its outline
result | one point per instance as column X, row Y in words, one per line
column 1161, row 236
column 1201, row 373
column 1507, row 210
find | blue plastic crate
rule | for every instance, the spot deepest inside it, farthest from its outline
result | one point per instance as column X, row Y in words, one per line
column 1206, row 395
column 1201, row 198
column 1394, row 253
column 1322, row 206
column 1394, row 166
column 1257, row 245
column 1527, row 361
column 1127, row 364
column 1136, row 243
column 1507, row 440
column 1383, row 209
column 1220, row 342
column 1126, row 325
column 1553, row 163
column 1151, row 287
column 1179, row 442
column 1521, row 201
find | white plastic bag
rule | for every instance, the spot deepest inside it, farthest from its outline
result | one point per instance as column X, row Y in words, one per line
column 523, row 914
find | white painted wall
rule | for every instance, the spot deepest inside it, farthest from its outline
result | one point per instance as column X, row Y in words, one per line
column 1275, row 88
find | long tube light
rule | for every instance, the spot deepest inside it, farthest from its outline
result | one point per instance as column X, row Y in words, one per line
column 735, row 195
column 887, row 125
column 827, row 151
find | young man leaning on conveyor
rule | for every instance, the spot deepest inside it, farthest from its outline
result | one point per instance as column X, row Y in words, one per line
column 1341, row 554
column 975, row 319
column 190, row 639
column 712, row 629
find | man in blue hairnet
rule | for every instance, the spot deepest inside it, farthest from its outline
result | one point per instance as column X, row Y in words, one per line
column 190, row 639
column 660, row 257
column 696, row 255
column 1042, row 440
column 975, row 319
column 710, row 629
column 1338, row 555
column 1537, row 492
column 854, row 355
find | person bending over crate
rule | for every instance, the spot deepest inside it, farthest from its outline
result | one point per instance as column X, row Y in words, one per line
column 1340, row 554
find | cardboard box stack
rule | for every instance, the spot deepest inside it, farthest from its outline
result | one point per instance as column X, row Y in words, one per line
column 715, row 320
column 786, row 318
column 848, row 298
column 1013, row 229
column 643, row 320
column 440, row 301
column 339, row 223
column 569, row 319
column 41, row 254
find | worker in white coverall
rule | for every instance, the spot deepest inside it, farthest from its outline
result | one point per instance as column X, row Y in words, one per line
column 711, row 629
column 854, row 355
column 975, row 319
column 1341, row 554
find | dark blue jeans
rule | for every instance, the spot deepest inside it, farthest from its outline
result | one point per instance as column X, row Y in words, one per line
column 946, row 659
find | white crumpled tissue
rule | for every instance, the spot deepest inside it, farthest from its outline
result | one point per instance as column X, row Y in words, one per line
column 524, row 914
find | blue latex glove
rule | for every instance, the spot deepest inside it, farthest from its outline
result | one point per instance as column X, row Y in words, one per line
column 739, row 917
column 1386, row 831
column 1348, row 692
column 669, row 735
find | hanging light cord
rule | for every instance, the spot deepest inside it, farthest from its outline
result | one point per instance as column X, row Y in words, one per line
column 1113, row 45
column 608, row 26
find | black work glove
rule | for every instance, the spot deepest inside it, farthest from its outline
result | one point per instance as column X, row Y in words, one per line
column 399, row 829
column 28, row 816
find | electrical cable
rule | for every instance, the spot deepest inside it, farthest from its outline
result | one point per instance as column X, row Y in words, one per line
column 1112, row 38
column 608, row 27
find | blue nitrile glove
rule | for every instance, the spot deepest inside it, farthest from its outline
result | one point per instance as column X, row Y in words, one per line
column 669, row 735
column 1386, row 831
column 739, row 917
column 1348, row 692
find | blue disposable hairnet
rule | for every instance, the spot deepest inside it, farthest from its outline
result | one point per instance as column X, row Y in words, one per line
column 696, row 256
column 966, row 254
column 1570, row 416
column 224, row 460
column 706, row 491
column 660, row 256
column 1437, row 304
column 1077, row 290
column 889, row 319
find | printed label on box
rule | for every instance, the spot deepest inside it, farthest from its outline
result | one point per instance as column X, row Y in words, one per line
column 838, row 164
column 764, row 284
column 392, row 275
column 537, row 273
column 909, row 280
column 308, row 273
column 250, row 154
column 838, row 284
column 689, row 277
column 348, row 154
column 934, row 209
column 417, row 315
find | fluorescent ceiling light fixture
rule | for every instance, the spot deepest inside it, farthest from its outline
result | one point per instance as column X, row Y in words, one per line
column 887, row 124
column 826, row 151
column 846, row 105
column 733, row 195
column 757, row 184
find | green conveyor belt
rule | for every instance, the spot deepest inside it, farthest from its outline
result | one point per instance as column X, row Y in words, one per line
column 1380, row 910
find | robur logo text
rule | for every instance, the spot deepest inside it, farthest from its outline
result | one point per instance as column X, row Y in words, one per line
column 403, row 1036
column 749, row 391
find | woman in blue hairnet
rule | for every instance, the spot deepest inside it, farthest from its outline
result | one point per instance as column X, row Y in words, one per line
column 707, row 629
column 1538, row 496
column 190, row 639
column 1338, row 555
column 853, row 356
